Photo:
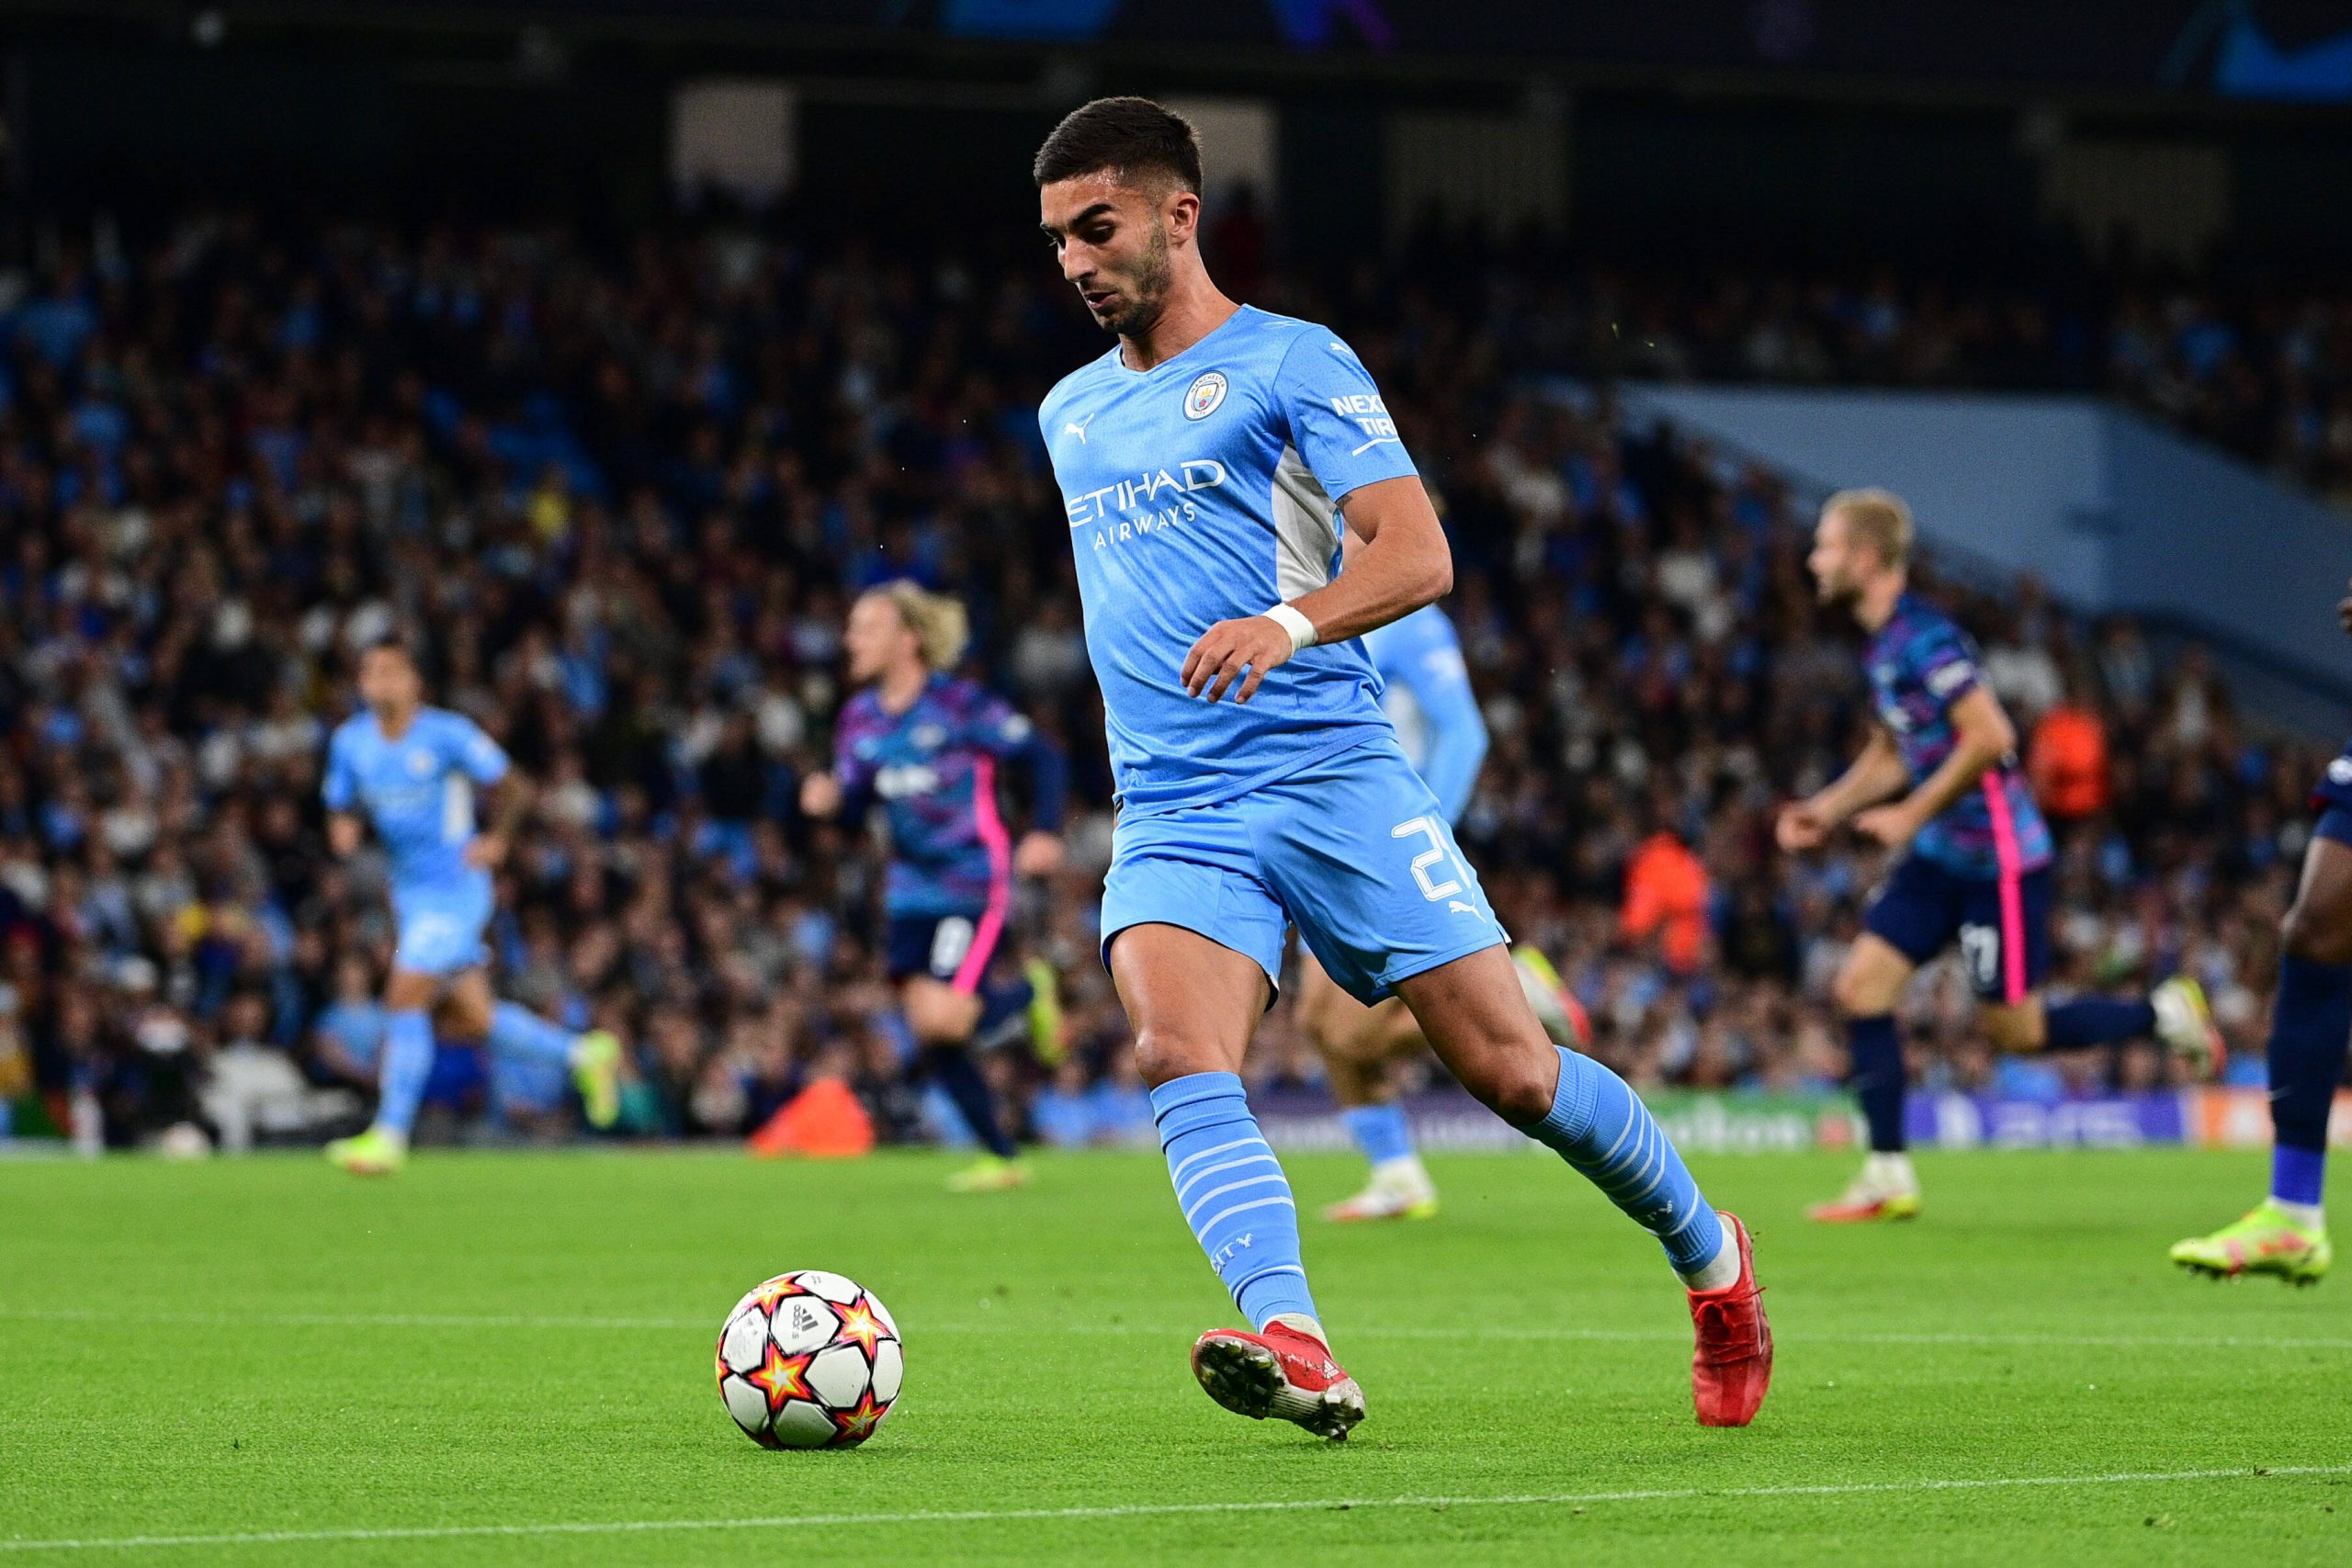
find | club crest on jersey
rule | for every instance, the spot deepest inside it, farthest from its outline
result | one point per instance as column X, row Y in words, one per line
column 420, row 763
column 1200, row 399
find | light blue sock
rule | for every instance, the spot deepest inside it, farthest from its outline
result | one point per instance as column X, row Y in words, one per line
column 519, row 1032
column 1380, row 1131
column 408, row 1063
column 1233, row 1193
column 1600, row 1126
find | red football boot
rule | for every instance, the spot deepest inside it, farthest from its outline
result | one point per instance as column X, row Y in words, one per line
column 1280, row 1372
column 1733, row 1364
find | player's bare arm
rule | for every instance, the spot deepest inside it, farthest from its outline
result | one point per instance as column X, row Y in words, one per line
column 1403, row 562
column 510, row 803
column 1875, row 775
column 821, row 794
column 1039, row 853
column 343, row 834
column 1984, row 736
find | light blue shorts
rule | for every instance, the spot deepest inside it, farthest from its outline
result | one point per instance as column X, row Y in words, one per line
column 1355, row 850
column 441, row 926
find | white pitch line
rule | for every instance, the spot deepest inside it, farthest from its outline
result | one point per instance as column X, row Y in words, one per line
column 1558, row 1332
column 1160, row 1510
column 340, row 1319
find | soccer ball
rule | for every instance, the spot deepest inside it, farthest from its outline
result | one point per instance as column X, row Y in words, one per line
column 809, row 1360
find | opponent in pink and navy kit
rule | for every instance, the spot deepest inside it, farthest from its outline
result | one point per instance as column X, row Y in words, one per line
column 934, row 768
column 1980, row 870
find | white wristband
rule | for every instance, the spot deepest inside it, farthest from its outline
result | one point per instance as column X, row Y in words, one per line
column 1300, row 629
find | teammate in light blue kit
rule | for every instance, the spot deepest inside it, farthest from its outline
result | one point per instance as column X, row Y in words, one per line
column 411, row 770
column 1207, row 464
column 1428, row 697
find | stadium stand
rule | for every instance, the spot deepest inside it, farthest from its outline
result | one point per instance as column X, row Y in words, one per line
column 622, row 497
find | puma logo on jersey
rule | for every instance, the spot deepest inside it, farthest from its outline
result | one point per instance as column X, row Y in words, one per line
column 1459, row 908
column 1078, row 428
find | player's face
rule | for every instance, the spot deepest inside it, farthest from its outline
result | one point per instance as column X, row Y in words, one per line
column 878, row 639
column 389, row 683
column 1835, row 563
column 1111, row 240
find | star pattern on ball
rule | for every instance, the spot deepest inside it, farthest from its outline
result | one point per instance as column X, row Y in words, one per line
column 775, row 1291
column 780, row 1377
column 860, row 1326
column 856, row 1426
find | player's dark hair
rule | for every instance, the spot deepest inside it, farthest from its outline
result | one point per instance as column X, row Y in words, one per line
column 1133, row 136
column 391, row 642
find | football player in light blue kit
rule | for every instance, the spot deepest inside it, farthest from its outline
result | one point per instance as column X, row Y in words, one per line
column 411, row 771
column 1207, row 463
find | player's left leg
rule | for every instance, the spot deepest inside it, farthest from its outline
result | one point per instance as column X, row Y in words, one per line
column 941, row 964
column 943, row 1018
column 592, row 1058
column 1480, row 1025
column 1391, row 906
column 1359, row 1046
column 2174, row 1014
column 2004, row 940
column 2285, row 1234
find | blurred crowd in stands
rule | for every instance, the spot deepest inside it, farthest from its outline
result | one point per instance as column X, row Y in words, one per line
column 2266, row 375
column 620, row 499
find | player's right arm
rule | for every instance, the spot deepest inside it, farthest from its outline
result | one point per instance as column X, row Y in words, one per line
column 1877, row 775
column 340, row 791
column 1003, row 731
column 821, row 794
column 844, row 791
column 1439, row 683
column 1406, row 563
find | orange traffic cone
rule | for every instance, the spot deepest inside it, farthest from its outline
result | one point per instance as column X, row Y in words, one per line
column 823, row 1122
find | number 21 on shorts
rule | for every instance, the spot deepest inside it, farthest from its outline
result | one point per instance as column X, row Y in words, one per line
column 1440, row 853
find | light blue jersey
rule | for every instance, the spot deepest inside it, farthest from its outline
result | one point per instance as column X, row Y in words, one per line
column 1207, row 489
column 1203, row 490
column 1429, row 701
column 418, row 793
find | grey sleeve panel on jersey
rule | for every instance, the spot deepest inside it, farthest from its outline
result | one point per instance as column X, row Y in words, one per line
column 1306, row 529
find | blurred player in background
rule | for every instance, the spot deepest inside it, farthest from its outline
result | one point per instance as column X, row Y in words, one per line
column 2311, row 1023
column 927, row 743
column 1209, row 465
column 1428, row 697
column 411, row 771
column 1938, row 783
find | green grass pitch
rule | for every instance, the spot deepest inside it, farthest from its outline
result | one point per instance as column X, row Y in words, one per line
column 506, row 1359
